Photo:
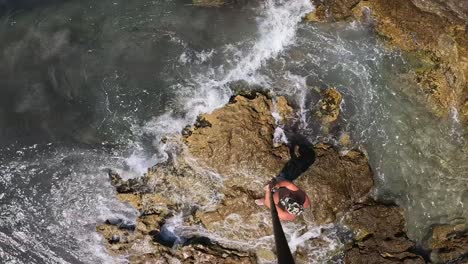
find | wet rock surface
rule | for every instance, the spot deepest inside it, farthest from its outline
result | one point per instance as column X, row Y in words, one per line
column 432, row 31
column 379, row 236
column 208, row 186
column 333, row 9
column 328, row 108
column 198, row 206
column 449, row 244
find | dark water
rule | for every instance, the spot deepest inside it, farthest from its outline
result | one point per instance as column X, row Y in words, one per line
column 91, row 85
column 78, row 81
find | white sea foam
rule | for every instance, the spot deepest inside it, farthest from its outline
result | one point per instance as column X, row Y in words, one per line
column 277, row 28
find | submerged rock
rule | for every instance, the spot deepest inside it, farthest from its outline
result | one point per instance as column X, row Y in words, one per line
column 329, row 106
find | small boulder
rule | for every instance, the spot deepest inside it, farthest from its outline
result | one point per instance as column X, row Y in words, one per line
column 328, row 108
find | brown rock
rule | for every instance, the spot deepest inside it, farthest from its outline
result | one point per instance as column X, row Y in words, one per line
column 213, row 178
column 345, row 140
column 337, row 9
column 283, row 108
column 376, row 220
column 335, row 182
column 329, row 106
column 449, row 243
column 405, row 25
column 453, row 10
column 366, row 255
column 318, row 15
column 379, row 236
column 238, row 143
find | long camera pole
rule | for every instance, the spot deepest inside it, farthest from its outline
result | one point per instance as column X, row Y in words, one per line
column 282, row 248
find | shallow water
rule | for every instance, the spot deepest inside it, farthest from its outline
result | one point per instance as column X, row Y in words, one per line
column 91, row 85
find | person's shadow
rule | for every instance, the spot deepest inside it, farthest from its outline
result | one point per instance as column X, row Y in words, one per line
column 302, row 157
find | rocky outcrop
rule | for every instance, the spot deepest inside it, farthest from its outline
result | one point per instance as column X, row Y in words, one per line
column 141, row 247
column 449, row 244
column 379, row 236
column 202, row 198
column 335, row 182
column 434, row 35
column 237, row 141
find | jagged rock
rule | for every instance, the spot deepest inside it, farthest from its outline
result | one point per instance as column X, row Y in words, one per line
column 453, row 10
column 283, row 108
column 217, row 171
column 379, row 236
column 449, row 244
column 317, row 15
column 329, row 106
column 218, row 3
column 376, row 220
column 335, row 182
column 239, row 142
column 336, row 9
column 130, row 186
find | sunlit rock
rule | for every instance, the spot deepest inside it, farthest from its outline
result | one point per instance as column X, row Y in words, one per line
column 418, row 27
column 203, row 195
column 328, row 108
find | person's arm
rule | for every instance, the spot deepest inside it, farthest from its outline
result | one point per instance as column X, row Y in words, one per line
column 307, row 202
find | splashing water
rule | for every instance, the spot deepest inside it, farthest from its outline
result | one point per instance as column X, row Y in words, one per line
column 210, row 90
column 109, row 80
column 420, row 161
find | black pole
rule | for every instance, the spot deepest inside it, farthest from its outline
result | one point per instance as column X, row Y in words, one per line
column 282, row 248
